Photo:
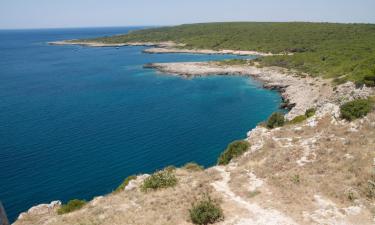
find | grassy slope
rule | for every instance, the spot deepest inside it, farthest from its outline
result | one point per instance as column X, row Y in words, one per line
column 321, row 49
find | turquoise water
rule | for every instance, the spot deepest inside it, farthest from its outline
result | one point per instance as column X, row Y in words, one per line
column 75, row 121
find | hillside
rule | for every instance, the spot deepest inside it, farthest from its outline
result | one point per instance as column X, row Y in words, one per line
column 341, row 51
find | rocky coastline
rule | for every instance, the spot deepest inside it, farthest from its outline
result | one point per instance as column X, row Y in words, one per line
column 167, row 47
column 102, row 44
column 318, row 150
column 298, row 93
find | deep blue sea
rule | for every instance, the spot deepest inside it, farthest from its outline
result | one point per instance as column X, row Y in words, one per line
column 75, row 121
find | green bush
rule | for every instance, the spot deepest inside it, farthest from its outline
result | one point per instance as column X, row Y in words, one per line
column 276, row 120
column 369, row 80
column 192, row 166
column 310, row 112
column 298, row 119
column 206, row 212
column 124, row 183
column 160, row 179
column 233, row 150
column 356, row 109
column 71, row 206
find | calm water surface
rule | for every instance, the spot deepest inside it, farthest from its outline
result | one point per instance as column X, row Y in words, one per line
column 75, row 121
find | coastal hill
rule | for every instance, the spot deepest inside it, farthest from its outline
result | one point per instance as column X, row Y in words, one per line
column 314, row 165
column 341, row 51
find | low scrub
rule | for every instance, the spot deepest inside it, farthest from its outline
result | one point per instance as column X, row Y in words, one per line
column 125, row 183
column 192, row 166
column 356, row 109
column 160, row 179
column 205, row 212
column 233, row 150
column 71, row 206
column 298, row 119
column 310, row 112
column 234, row 62
column 276, row 120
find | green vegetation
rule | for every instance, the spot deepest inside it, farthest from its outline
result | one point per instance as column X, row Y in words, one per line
column 296, row 179
column 356, row 109
column 320, row 49
column 310, row 112
column 71, row 206
column 124, row 184
column 161, row 179
column 298, row 119
column 233, row 150
column 192, row 166
column 235, row 62
column 276, row 120
column 206, row 212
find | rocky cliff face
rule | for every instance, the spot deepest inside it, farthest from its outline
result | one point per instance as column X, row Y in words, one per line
column 319, row 171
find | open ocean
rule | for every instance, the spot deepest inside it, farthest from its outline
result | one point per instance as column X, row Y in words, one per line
column 75, row 121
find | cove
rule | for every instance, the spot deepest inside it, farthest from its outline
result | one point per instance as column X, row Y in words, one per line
column 75, row 121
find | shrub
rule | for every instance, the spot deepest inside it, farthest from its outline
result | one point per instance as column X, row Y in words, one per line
column 206, row 212
column 71, row 206
column 369, row 80
column 275, row 120
column 160, row 179
column 125, row 183
column 356, row 109
column 298, row 119
column 192, row 166
column 296, row 179
column 310, row 112
column 233, row 150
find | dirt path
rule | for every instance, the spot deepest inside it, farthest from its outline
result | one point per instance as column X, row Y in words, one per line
column 257, row 215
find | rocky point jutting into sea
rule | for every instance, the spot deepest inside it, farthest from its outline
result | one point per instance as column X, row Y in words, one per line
column 315, row 171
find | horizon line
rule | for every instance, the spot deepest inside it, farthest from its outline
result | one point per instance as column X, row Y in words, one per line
column 171, row 25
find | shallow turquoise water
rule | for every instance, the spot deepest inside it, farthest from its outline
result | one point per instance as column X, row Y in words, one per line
column 75, row 121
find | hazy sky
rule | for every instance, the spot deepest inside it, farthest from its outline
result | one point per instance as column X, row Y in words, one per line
column 97, row 13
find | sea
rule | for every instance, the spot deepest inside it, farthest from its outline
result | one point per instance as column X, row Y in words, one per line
column 75, row 121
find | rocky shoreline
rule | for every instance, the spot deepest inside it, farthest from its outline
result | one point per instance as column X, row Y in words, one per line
column 162, row 48
column 276, row 156
column 102, row 44
column 298, row 93
column 205, row 51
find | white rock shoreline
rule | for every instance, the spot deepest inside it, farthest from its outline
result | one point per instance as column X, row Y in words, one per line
column 163, row 48
column 298, row 93
column 101, row 44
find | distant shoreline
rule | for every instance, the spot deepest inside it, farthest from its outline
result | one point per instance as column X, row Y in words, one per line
column 163, row 48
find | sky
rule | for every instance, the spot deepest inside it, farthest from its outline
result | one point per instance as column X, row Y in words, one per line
column 16, row 14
